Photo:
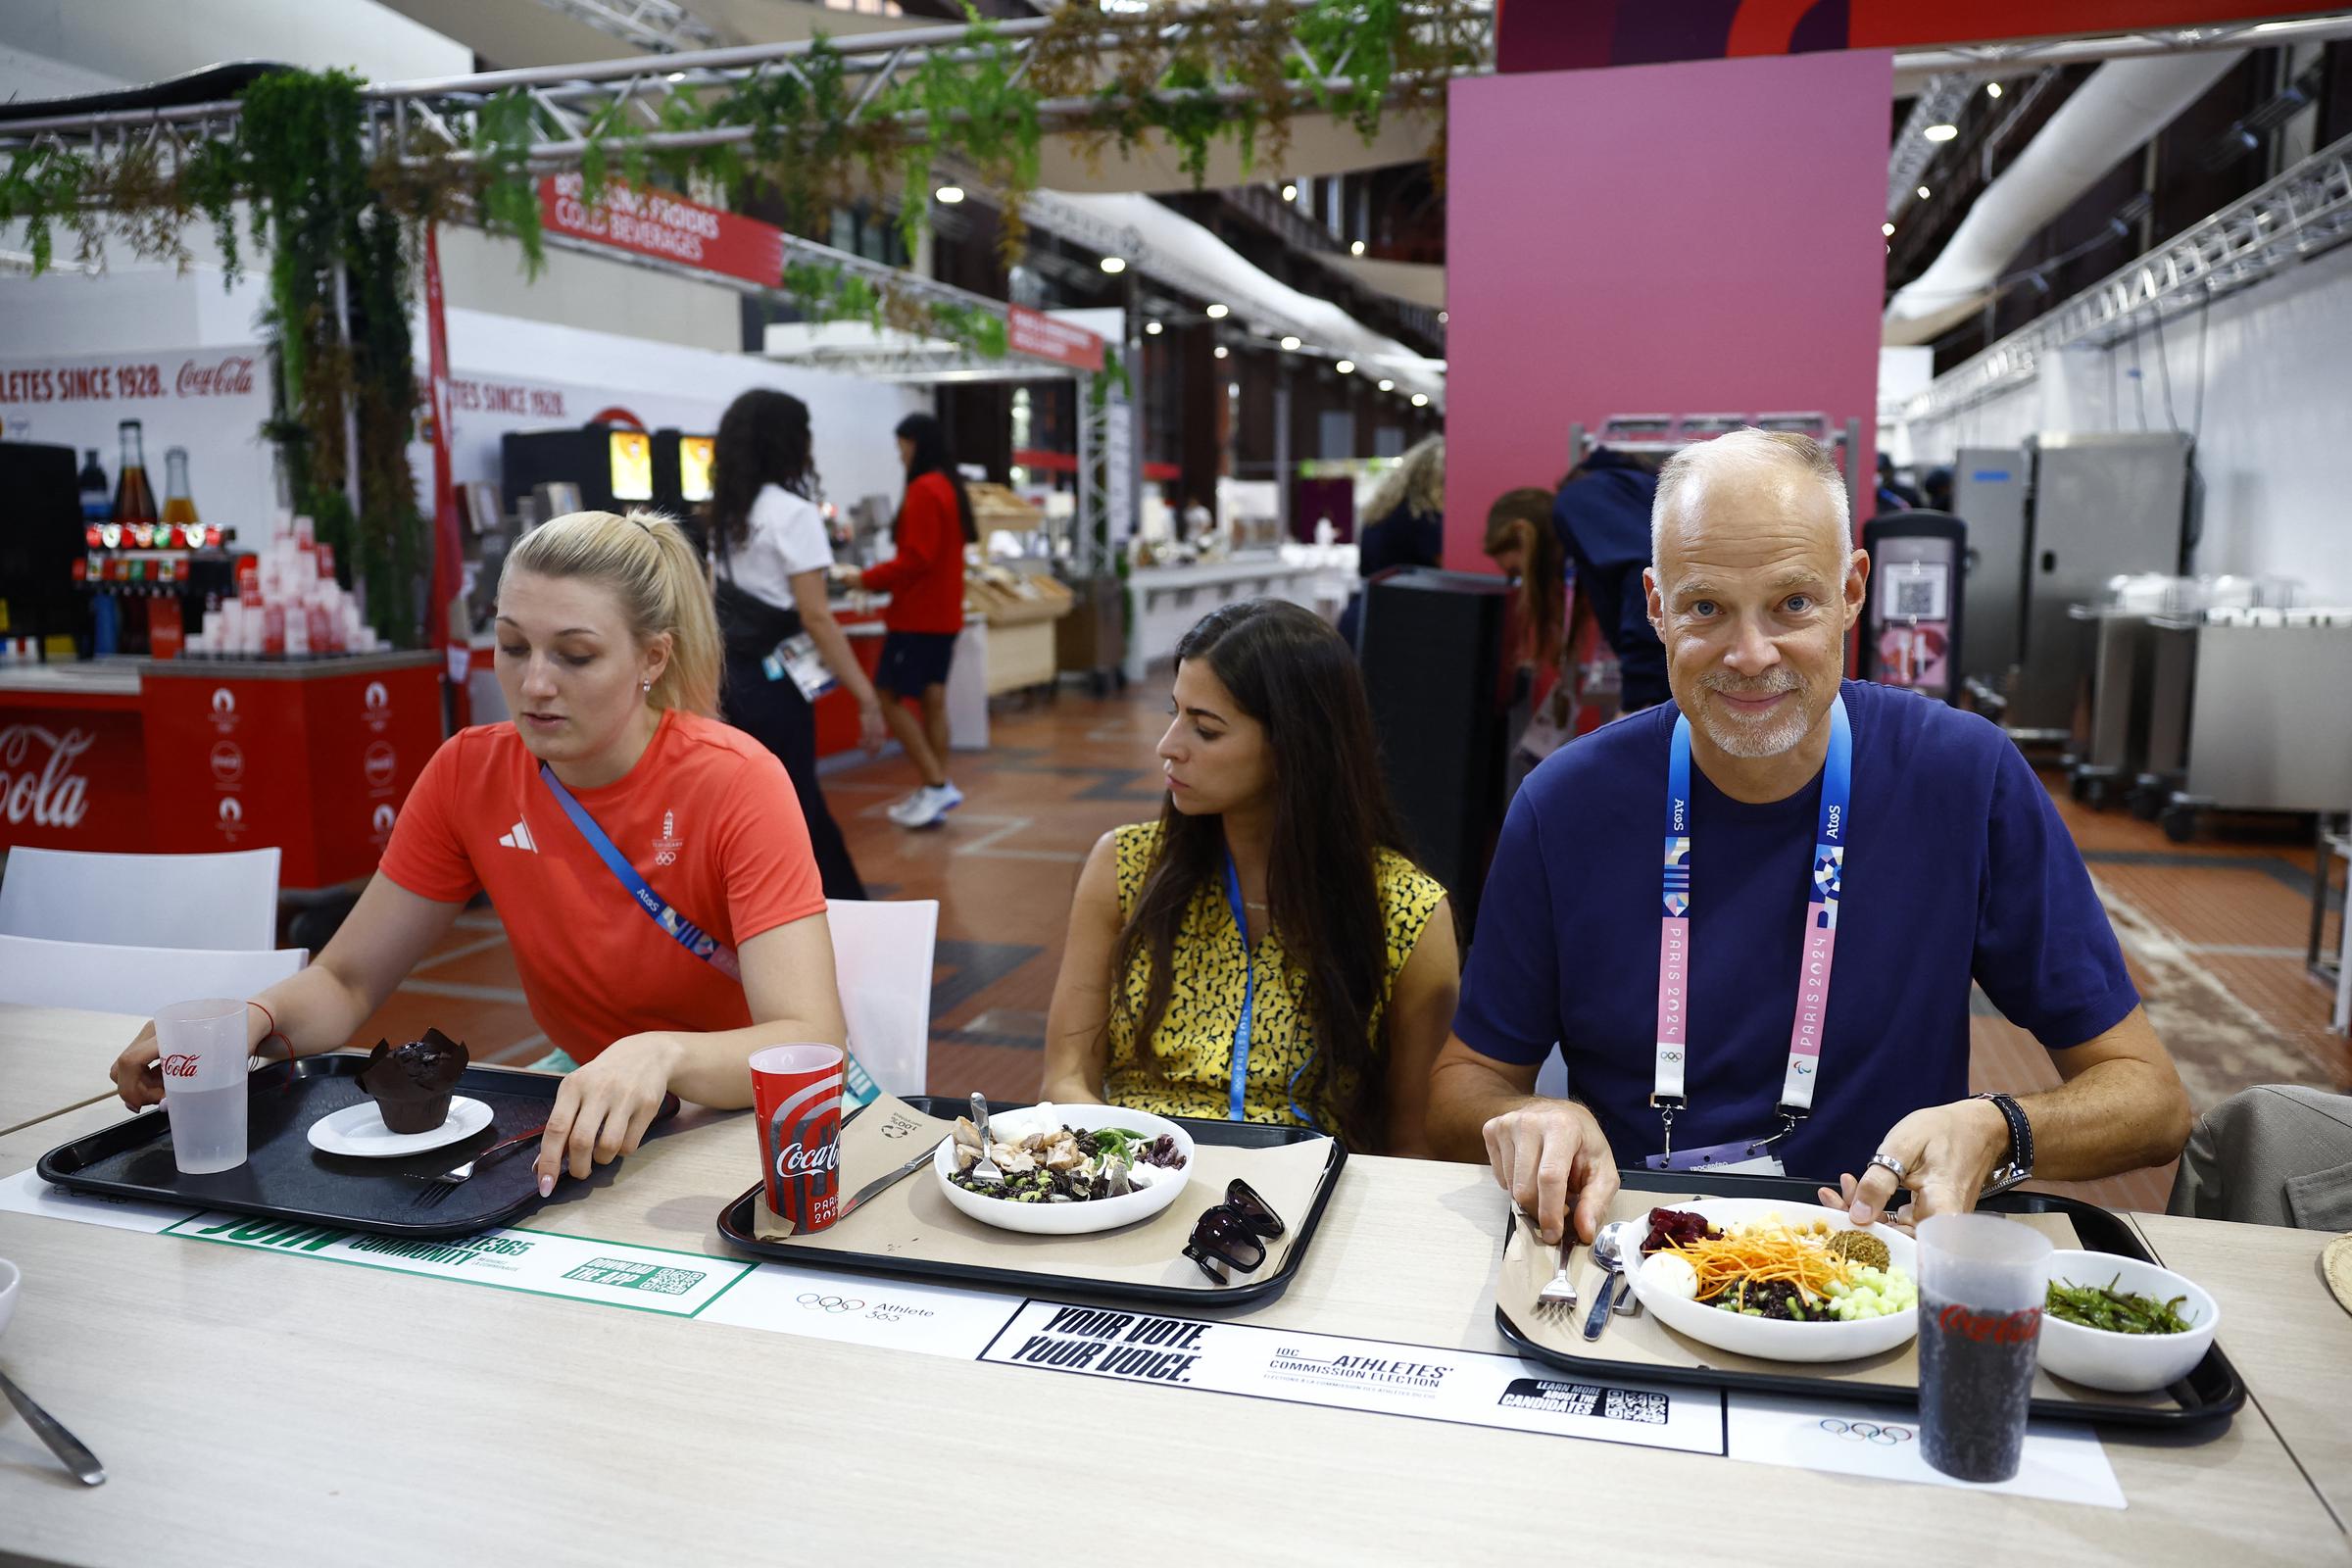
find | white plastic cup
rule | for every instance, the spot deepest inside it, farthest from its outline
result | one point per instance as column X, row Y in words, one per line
column 203, row 1052
column 1982, row 1283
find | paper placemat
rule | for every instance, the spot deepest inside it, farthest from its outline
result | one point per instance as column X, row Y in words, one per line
column 1637, row 1341
column 914, row 1219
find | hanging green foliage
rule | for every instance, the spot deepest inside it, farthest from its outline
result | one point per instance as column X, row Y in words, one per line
column 834, row 293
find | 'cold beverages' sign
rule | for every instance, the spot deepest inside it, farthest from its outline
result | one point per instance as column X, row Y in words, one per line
column 655, row 223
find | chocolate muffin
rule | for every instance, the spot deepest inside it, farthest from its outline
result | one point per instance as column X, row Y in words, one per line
column 411, row 1084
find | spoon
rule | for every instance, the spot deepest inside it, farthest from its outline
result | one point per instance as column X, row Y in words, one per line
column 1608, row 1250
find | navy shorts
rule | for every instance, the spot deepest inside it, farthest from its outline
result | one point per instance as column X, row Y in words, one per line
column 913, row 661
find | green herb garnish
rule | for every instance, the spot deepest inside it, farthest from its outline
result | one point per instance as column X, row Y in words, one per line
column 2097, row 1306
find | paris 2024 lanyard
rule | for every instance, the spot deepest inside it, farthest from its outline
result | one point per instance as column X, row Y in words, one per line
column 1813, row 964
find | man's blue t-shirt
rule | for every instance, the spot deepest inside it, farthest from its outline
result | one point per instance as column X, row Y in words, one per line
column 1956, row 868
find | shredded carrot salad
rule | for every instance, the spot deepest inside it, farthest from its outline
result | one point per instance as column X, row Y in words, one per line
column 1762, row 1253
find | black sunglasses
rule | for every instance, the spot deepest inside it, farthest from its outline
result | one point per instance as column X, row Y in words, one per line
column 1232, row 1232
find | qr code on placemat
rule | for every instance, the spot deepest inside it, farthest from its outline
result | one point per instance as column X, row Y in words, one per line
column 1635, row 1404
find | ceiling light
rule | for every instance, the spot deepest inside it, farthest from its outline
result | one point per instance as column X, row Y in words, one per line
column 1113, row 265
column 1346, row 367
column 1289, row 193
column 1216, row 313
column 1940, row 132
column 950, row 194
column 677, row 76
column 1221, row 351
column 1923, row 196
column 1233, row 389
column 1151, row 329
column 1420, row 400
column 1291, row 344
column 1355, row 247
column 1443, row 317
column 1886, row 229
column 1992, row 89
column 1387, row 385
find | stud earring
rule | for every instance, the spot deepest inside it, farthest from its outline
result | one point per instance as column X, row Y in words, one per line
column 645, row 686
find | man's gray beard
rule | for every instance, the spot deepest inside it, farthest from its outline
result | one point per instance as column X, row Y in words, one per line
column 1735, row 739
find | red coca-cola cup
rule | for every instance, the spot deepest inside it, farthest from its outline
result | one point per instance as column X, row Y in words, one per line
column 796, row 1101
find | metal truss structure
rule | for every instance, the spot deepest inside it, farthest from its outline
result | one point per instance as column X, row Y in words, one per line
column 2304, row 211
column 1983, row 60
column 662, row 25
column 1939, row 103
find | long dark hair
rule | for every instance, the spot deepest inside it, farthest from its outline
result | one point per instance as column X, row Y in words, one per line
column 762, row 440
column 931, row 457
column 1332, row 816
column 1542, row 596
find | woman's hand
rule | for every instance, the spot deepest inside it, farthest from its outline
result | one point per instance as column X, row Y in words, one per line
column 872, row 732
column 603, row 1109
column 137, row 1074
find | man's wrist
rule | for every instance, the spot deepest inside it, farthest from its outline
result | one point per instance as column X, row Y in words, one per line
column 1992, row 1131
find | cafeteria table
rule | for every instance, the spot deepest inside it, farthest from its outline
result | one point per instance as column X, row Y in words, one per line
column 55, row 1058
column 254, row 1407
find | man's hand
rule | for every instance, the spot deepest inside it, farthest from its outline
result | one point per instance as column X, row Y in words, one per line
column 1946, row 1153
column 1551, row 1157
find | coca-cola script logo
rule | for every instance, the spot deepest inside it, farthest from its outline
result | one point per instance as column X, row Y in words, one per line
column 228, row 762
column 231, row 377
column 795, row 1160
column 379, row 761
column 1991, row 1328
column 179, row 1066
column 51, row 794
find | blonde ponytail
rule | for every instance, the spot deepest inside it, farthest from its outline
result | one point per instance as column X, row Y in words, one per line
column 650, row 564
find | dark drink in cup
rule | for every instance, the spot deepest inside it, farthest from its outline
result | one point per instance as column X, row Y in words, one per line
column 1976, row 1381
column 1982, row 1279
column 796, row 1101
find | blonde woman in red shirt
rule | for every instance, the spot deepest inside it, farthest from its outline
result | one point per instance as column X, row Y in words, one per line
column 925, row 584
column 608, row 659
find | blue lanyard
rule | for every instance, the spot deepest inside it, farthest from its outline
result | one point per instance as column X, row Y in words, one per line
column 1239, row 1090
column 1820, row 927
column 693, row 938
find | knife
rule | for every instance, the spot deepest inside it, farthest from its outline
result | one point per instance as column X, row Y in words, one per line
column 65, row 1444
column 879, row 1185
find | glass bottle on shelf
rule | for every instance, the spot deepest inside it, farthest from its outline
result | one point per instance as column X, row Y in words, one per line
column 97, row 502
column 134, row 498
column 179, row 507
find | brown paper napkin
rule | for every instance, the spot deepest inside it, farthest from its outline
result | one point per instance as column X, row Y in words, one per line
column 1641, row 1341
column 914, row 1220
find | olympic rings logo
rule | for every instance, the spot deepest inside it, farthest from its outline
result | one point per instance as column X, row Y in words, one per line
column 831, row 1303
column 1866, row 1431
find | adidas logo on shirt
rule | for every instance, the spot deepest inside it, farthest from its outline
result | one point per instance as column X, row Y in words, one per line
column 519, row 838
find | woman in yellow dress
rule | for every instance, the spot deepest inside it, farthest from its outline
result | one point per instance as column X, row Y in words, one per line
column 1266, row 950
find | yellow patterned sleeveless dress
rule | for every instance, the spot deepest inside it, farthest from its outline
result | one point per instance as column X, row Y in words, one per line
column 1195, row 1038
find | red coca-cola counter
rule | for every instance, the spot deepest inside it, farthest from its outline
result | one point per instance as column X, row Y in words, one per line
column 190, row 755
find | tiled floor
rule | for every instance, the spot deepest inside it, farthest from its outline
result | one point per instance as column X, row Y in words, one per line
column 2214, row 931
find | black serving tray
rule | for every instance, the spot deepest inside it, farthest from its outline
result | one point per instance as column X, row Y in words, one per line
column 735, row 1225
column 284, row 1178
column 2212, row 1392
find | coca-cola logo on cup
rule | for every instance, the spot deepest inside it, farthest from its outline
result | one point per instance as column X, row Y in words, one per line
column 37, row 781
column 1991, row 1328
column 182, row 1065
column 230, row 378
column 793, row 1160
column 380, row 763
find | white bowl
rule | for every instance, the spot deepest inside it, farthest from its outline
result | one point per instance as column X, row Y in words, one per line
column 1771, row 1339
column 1069, row 1219
column 2126, row 1363
column 10, row 1276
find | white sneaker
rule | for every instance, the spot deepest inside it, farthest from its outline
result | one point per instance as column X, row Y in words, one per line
column 928, row 809
column 950, row 794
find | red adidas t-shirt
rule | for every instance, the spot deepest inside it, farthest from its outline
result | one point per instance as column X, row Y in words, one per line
column 708, row 817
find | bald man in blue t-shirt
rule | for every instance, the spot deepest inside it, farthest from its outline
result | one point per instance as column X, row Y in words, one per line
column 1787, row 989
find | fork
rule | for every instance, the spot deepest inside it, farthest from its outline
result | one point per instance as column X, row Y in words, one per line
column 1560, row 1294
column 986, row 1169
column 438, row 1183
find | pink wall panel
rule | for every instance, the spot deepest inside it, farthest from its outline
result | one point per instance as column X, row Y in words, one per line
column 1656, row 239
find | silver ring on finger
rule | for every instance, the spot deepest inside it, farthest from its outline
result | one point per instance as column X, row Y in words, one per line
column 1882, row 1157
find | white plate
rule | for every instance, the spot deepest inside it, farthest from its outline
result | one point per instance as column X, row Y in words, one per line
column 1771, row 1339
column 2126, row 1363
column 1069, row 1219
column 360, row 1130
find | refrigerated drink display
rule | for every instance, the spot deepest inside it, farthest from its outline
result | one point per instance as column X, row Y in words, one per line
column 134, row 498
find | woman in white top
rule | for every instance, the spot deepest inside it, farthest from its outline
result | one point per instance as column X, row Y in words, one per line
column 769, row 555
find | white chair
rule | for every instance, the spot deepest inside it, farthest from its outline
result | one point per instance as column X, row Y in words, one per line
column 103, row 978
column 149, row 900
column 882, row 964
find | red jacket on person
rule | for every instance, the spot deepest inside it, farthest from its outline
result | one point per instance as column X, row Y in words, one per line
column 926, row 578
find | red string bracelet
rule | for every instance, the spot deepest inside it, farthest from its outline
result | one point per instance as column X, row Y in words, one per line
column 275, row 1033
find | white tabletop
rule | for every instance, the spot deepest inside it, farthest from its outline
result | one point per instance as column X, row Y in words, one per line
column 55, row 1058
column 252, row 1407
